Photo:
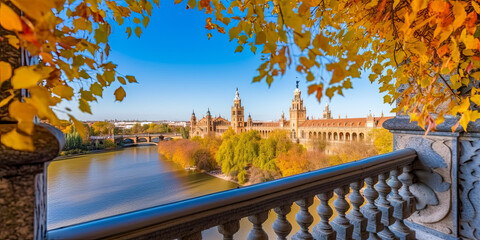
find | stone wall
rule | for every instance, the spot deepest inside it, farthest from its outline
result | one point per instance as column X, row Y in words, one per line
column 447, row 178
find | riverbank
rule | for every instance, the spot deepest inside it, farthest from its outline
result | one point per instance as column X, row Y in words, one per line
column 219, row 174
column 63, row 157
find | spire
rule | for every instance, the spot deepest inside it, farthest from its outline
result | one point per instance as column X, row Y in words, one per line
column 237, row 95
column 208, row 112
column 297, row 83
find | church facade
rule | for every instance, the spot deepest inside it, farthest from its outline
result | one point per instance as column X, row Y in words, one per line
column 300, row 127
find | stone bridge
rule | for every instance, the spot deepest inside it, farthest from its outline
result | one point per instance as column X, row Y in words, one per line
column 134, row 138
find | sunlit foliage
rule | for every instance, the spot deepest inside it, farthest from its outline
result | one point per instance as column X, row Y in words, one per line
column 429, row 49
column 70, row 40
column 382, row 140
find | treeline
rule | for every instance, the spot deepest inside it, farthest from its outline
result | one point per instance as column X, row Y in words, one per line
column 75, row 144
column 246, row 157
column 107, row 128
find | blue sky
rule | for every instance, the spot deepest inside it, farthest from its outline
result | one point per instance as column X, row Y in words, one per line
column 179, row 69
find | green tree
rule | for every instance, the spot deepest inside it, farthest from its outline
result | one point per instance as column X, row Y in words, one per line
column 276, row 143
column 185, row 133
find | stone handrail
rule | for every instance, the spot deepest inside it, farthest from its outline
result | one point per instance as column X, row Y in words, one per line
column 389, row 202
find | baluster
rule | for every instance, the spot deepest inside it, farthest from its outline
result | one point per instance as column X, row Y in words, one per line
column 407, row 206
column 192, row 236
column 370, row 211
column 355, row 216
column 257, row 232
column 323, row 230
column 281, row 226
column 341, row 224
column 400, row 209
column 407, row 180
column 304, row 219
column 384, row 206
column 228, row 229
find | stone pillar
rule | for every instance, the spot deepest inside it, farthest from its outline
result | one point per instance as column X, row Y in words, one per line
column 447, row 178
column 23, row 184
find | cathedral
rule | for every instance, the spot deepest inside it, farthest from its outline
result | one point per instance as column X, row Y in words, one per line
column 300, row 127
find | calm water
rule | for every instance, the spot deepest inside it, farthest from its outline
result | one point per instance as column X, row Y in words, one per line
column 99, row 185
column 94, row 186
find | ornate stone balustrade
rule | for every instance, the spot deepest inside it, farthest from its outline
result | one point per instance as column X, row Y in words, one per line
column 386, row 178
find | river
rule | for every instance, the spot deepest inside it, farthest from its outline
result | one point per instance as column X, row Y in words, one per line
column 93, row 186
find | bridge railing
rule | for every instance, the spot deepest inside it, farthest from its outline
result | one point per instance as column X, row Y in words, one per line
column 384, row 180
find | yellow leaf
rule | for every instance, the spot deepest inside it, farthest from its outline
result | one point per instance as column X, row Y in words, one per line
column 464, row 120
column 476, row 6
column 9, row 19
column 138, row 31
column 6, row 100
column 63, row 91
column 418, row 5
column 239, row 48
column 84, row 106
column 5, row 71
column 129, row 32
column 339, row 73
column 145, row 21
column 131, row 79
column 25, row 77
column 121, row 80
column 21, row 111
column 260, row 38
column 18, row 141
column 476, row 99
column 460, row 15
column 13, row 40
column 35, row 9
column 78, row 125
column 24, row 114
column 96, row 89
column 119, row 94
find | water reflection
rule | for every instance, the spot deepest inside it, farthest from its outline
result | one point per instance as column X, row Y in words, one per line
column 105, row 184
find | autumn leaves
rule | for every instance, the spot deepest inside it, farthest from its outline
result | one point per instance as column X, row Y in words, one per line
column 69, row 40
column 431, row 47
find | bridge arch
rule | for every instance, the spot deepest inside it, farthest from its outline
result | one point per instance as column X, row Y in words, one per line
column 347, row 136
column 335, row 136
column 340, row 136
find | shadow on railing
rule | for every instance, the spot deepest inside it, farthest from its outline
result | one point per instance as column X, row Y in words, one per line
column 389, row 202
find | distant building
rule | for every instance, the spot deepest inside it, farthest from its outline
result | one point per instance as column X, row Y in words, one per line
column 300, row 127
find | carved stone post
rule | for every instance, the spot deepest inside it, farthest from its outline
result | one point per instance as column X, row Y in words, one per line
column 23, row 184
column 446, row 183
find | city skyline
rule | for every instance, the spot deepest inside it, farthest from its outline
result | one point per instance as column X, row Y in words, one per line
column 180, row 70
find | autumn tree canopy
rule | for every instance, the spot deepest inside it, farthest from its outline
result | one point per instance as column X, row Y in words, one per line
column 427, row 49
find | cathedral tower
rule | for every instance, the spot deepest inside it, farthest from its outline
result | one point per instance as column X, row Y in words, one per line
column 193, row 122
column 298, row 113
column 238, row 123
column 327, row 114
column 249, row 122
column 209, row 122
